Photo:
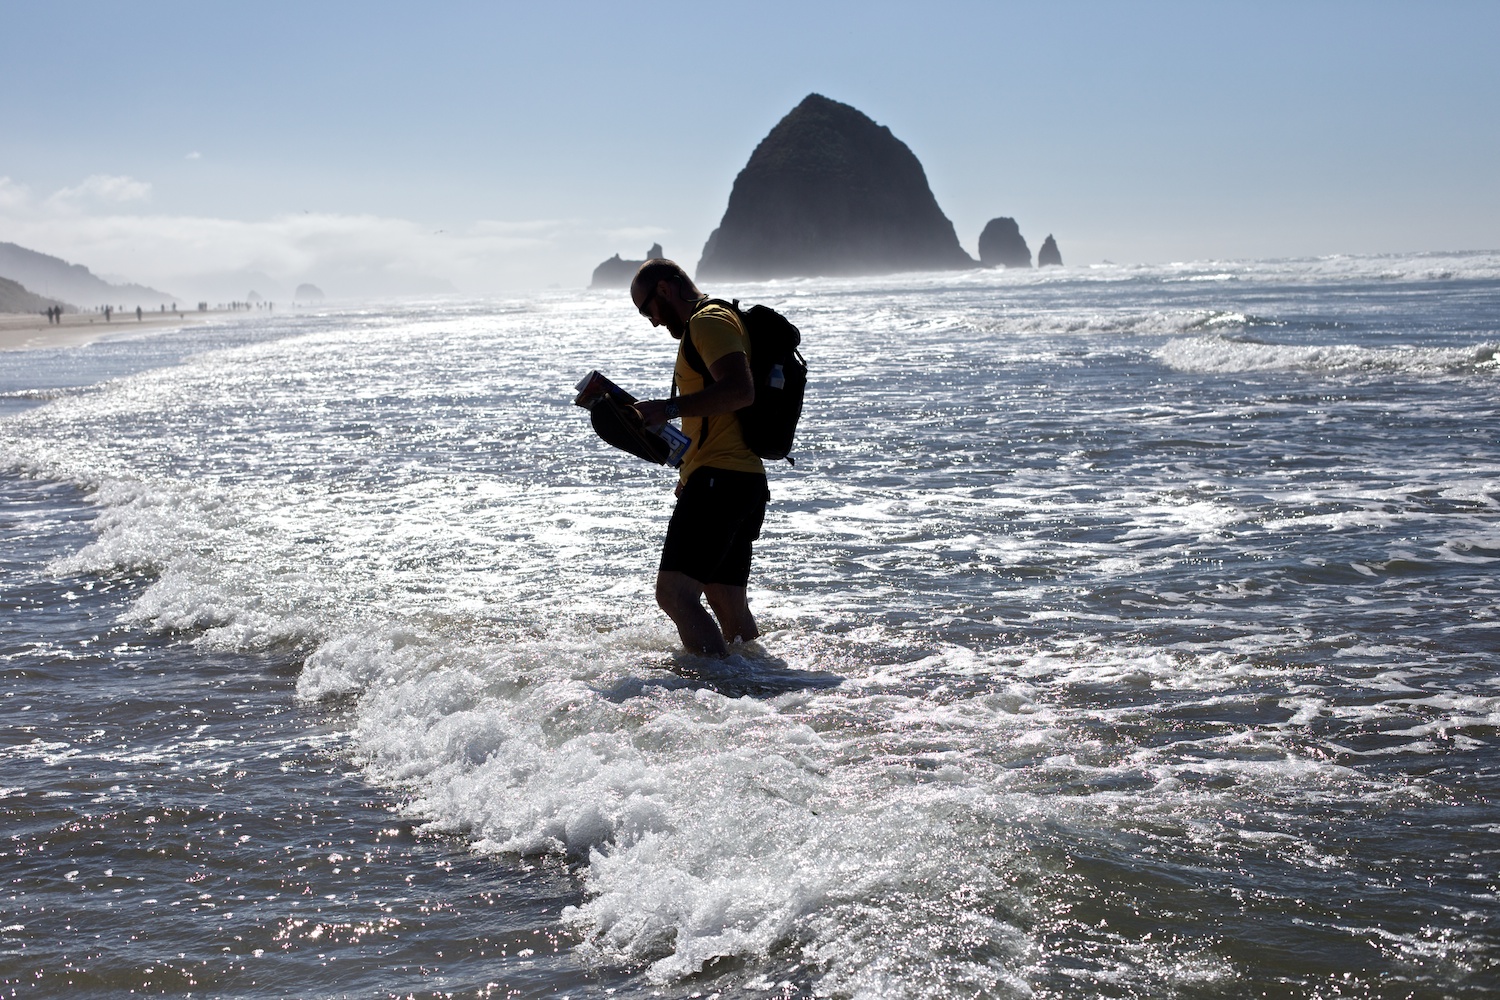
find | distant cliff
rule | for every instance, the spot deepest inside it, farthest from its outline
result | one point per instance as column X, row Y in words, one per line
column 1049, row 253
column 616, row 273
column 73, row 283
column 14, row 298
column 829, row 192
column 1002, row 245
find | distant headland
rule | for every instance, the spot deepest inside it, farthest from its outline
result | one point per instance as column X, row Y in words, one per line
column 54, row 278
column 14, row 298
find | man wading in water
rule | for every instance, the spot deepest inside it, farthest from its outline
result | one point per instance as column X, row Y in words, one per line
column 721, row 491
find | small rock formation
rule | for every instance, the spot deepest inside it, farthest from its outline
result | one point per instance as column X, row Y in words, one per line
column 308, row 293
column 830, row 192
column 1048, row 253
column 1001, row 245
column 616, row 273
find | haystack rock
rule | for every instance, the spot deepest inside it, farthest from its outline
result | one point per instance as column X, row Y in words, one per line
column 829, row 192
column 616, row 273
column 1001, row 245
column 308, row 293
column 1048, row 253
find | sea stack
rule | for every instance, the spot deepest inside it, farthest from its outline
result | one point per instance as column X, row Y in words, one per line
column 1048, row 253
column 616, row 273
column 829, row 192
column 1001, row 245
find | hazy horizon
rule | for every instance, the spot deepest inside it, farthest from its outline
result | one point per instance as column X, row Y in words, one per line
column 373, row 149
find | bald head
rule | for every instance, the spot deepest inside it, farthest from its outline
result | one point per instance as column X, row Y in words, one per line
column 657, row 270
column 664, row 294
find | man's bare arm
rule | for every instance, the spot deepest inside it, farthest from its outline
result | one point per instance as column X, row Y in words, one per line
column 733, row 388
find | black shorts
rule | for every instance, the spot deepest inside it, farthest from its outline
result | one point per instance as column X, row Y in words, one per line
column 718, row 515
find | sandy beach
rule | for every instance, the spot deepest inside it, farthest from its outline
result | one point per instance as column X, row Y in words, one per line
column 30, row 331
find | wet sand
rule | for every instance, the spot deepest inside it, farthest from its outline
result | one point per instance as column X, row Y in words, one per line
column 30, row 331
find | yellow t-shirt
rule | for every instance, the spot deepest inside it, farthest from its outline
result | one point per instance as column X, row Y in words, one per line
column 716, row 332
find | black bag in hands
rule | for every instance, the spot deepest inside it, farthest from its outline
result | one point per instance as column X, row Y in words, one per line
column 621, row 426
column 618, row 423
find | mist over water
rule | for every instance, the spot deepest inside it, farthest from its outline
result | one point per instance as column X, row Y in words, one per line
column 1158, row 604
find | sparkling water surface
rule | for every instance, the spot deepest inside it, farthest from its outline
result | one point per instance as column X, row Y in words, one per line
column 1130, row 632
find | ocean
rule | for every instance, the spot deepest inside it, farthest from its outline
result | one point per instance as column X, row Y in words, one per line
column 1130, row 631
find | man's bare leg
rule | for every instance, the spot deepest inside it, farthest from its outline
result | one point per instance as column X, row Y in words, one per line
column 680, row 596
column 732, row 607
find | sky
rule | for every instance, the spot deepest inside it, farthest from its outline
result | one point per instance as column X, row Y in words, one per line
column 388, row 149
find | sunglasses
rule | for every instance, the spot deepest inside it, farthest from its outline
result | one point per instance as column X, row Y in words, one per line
column 645, row 306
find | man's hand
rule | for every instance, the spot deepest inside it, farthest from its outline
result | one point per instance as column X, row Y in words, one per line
column 731, row 388
column 653, row 411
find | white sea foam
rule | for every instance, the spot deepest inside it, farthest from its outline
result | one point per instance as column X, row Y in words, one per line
column 1222, row 354
column 39, row 394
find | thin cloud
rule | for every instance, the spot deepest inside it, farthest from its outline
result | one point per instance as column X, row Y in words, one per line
column 183, row 252
column 644, row 235
column 101, row 223
column 100, row 189
column 13, row 197
column 531, row 230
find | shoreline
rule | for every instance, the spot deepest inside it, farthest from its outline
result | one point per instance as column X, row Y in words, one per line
column 32, row 332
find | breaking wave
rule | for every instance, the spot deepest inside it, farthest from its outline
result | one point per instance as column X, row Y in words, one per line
column 1223, row 354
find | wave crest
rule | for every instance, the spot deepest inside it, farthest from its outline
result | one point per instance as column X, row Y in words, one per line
column 1220, row 354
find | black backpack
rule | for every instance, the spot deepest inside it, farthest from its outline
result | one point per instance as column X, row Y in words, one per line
column 779, row 373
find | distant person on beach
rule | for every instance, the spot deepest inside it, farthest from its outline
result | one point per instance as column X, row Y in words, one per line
column 721, row 489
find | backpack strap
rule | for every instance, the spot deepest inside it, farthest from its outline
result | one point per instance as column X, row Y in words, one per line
column 690, row 350
column 695, row 359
